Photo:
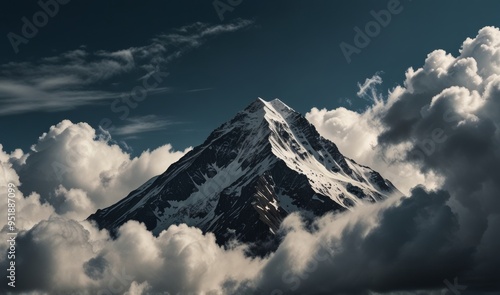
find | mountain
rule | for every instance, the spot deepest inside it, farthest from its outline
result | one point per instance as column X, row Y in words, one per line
column 248, row 175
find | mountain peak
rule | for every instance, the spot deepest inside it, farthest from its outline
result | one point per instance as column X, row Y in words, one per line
column 265, row 163
column 275, row 103
column 280, row 107
column 273, row 107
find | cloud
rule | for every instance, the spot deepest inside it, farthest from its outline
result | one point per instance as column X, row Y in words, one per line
column 184, row 39
column 78, row 171
column 447, row 117
column 180, row 260
column 138, row 125
column 443, row 121
column 53, row 253
column 138, row 289
column 356, row 135
column 60, row 83
column 74, row 257
column 194, row 34
column 392, row 236
column 369, row 86
column 198, row 90
column 352, row 254
column 33, row 209
column 76, row 78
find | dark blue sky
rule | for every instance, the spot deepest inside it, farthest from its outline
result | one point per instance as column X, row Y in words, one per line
column 285, row 49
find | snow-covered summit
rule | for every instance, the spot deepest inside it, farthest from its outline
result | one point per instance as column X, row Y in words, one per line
column 265, row 163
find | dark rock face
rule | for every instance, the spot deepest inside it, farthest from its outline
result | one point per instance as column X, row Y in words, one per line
column 249, row 174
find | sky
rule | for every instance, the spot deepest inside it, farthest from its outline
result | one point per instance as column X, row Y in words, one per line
column 104, row 96
column 287, row 50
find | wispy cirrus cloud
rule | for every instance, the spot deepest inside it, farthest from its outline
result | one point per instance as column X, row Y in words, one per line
column 61, row 82
column 138, row 125
column 368, row 87
column 81, row 77
column 189, row 37
column 199, row 90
